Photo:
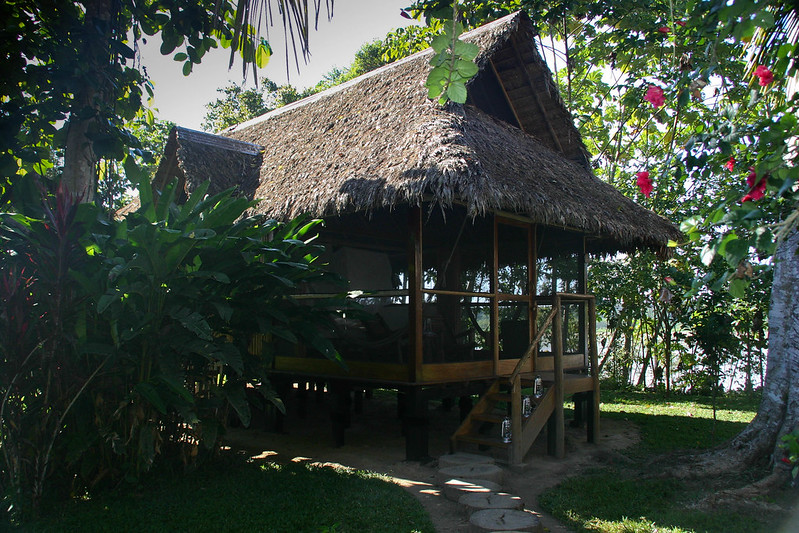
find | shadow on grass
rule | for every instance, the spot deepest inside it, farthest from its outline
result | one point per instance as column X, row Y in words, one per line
column 239, row 496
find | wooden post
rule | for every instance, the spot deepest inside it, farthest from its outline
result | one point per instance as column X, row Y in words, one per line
column 593, row 401
column 415, row 294
column 557, row 351
column 495, row 299
column 340, row 411
column 517, row 433
column 416, row 422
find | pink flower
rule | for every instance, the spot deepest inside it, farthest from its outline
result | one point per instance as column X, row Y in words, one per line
column 757, row 189
column 644, row 183
column 669, row 280
column 654, row 95
column 680, row 23
column 664, row 29
column 765, row 75
column 730, row 164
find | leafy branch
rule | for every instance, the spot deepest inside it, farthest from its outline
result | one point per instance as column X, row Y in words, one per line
column 453, row 64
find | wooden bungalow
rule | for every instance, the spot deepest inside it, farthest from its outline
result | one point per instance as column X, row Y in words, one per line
column 465, row 228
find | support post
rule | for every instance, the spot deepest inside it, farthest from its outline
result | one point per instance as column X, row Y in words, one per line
column 416, row 423
column 593, row 401
column 340, row 411
column 302, row 399
column 517, row 440
column 557, row 349
column 464, row 407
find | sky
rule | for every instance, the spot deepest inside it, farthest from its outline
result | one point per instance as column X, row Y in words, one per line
column 182, row 99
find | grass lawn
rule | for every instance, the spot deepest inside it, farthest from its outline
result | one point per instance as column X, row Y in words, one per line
column 634, row 499
column 241, row 496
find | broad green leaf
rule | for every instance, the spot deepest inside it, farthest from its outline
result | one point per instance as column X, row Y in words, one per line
column 440, row 43
column 738, row 288
column 262, row 54
column 457, row 92
column 465, row 50
column 723, row 245
column 467, row 69
column 149, row 393
column 236, row 396
column 736, row 251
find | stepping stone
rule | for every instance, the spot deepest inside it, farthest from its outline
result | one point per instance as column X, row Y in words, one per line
column 458, row 459
column 455, row 488
column 504, row 520
column 469, row 472
column 477, row 501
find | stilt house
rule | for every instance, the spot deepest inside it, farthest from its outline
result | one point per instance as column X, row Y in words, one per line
column 465, row 227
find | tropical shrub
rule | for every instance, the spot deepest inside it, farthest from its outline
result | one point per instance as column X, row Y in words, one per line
column 126, row 342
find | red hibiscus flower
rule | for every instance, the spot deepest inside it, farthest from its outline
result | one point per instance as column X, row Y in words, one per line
column 765, row 75
column 644, row 183
column 654, row 95
column 730, row 164
column 680, row 23
column 757, row 189
column 664, row 29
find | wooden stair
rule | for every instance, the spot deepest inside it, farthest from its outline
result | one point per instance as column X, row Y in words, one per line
column 491, row 410
column 507, row 390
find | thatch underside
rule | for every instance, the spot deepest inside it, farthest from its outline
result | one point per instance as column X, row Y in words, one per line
column 377, row 142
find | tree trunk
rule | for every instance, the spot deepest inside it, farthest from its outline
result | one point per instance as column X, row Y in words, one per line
column 779, row 409
column 80, row 161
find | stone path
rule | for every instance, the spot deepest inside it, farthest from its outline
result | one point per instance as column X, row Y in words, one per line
column 475, row 482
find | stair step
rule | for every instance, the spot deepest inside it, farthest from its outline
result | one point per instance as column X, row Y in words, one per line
column 501, row 397
column 495, row 442
column 495, row 418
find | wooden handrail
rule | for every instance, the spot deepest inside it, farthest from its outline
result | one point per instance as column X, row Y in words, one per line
column 530, row 349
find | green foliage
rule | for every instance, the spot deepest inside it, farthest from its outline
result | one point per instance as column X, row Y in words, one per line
column 239, row 104
column 125, row 343
column 73, row 85
column 238, row 496
column 790, row 443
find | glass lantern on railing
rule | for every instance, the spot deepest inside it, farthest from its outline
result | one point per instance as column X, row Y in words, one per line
column 505, row 431
column 538, row 387
column 527, row 407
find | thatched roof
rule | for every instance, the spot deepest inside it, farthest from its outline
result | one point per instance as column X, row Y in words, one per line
column 378, row 142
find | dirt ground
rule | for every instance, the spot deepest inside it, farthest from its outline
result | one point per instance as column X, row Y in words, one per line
column 374, row 442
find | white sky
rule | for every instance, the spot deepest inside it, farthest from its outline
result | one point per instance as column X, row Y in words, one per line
column 182, row 99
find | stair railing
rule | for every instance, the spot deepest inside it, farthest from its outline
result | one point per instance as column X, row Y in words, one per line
column 518, row 446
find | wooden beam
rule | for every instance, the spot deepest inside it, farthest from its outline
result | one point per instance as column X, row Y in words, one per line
column 529, row 80
column 507, row 98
